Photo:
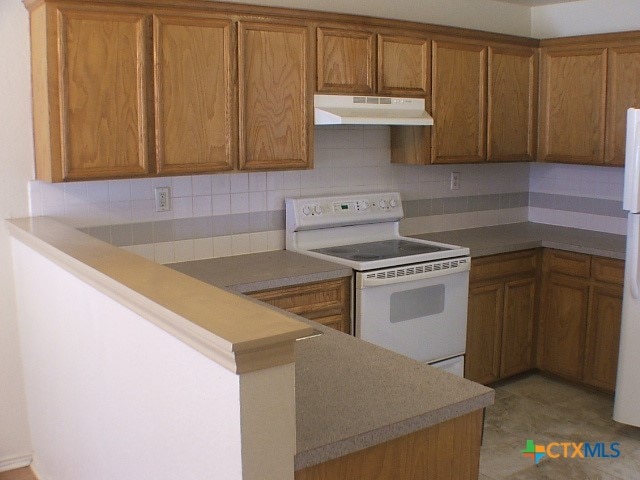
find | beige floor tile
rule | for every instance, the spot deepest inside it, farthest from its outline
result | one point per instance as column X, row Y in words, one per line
column 562, row 470
column 546, row 410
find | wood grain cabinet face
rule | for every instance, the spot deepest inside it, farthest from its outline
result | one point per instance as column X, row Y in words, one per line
column 581, row 314
column 404, row 65
column 195, row 95
column 603, row 336
column 103, row 94
column 275, row 100
column 623, row 92
column 346, row 61
column 459, row 102
column 564, row 321
column 517, row 331
column 325, row 302
column 512, row 104
column 572, row 105
column 484, row 331
column 502, row 314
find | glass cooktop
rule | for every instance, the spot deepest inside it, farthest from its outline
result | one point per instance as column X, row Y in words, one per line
column 363, row 252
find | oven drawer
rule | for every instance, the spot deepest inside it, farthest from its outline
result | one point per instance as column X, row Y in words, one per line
column 325, row 302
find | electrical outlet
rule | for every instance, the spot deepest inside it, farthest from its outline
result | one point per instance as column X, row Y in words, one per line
column 455, row 180
column 163, row 199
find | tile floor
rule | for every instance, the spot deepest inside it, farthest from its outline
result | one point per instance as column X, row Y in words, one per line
column 547, row 410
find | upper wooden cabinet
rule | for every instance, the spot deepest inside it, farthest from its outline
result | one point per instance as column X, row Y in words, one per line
column 195, row 92
column 586, row 89
column 90, row 89
column 459, row 102
column 404, row 65
column 623, row 92
column 346, row 61
column 359, row 61
column 572, row 105
column 512, row 104
column 275, row 101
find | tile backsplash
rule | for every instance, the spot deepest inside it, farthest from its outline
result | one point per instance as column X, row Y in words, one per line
column 229, row 214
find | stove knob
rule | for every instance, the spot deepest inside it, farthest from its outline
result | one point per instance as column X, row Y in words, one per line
column 393, row 203
column 317, row 210
column 364, row 205
column 306, row 210
column 382, row 203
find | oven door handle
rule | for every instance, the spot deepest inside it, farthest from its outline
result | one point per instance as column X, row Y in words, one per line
column 411, row 273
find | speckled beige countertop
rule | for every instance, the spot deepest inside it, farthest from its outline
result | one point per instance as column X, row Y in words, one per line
column 262, row 271
column 521, row 236
column 351, row 395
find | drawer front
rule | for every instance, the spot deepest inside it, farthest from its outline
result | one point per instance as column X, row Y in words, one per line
column 568, row 263
column 324, row 302
column 608, row 270
column 503, row 265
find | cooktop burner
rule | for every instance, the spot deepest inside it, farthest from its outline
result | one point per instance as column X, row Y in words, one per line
column 362, row 252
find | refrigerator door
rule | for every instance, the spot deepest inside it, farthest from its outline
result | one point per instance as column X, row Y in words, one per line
column 631, row 200
column 627, row 401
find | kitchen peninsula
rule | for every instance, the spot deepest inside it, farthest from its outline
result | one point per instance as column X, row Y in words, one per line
column 353, row 401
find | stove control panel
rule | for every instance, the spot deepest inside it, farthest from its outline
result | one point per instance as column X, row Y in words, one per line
column 320, row 212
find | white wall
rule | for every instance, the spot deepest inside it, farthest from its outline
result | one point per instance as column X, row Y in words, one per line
column 16, row 165
column 112, row 396
column 488, row 15
column 584, row 17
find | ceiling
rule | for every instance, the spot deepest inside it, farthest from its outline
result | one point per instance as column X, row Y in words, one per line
column 535, row 3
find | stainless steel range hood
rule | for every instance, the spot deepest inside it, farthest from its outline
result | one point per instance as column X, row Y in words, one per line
column 368, row 110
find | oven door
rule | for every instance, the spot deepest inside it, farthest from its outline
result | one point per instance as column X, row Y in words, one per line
column 418, row 310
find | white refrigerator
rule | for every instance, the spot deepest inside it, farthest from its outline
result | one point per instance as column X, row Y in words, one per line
column 627, row 400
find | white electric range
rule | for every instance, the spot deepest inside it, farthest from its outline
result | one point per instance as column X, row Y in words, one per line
column 410, row 295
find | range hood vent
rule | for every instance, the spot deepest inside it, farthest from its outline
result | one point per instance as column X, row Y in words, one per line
column 366, row 110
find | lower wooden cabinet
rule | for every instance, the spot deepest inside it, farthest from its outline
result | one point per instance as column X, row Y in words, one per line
column 502, row 312
column 580, row 317
column 327, row 302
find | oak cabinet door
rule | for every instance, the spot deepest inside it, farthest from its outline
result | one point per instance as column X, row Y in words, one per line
column 572, row 105
column 564, row 324
column 103, row 94
column 459, row 102
column 512, row 104
column 195, row 95
column 484, row 332
column 404, row 65
column 346, row 61
column 517, row 327
column 275, row 102
column 603, row 336
column 623, row 92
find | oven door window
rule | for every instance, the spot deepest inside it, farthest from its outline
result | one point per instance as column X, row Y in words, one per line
column 417, row 303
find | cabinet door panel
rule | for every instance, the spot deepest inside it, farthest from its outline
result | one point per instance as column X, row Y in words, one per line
column 517, row 328
column 623, row 93
column 403, row 65
column 346, row 61
column 195, row 95
column 484, row 324
column 564, row 325
column 603, row 336
column 274, row 97
column 103, row 94
column 512, row 104
column 573, row 96
column 459, row 103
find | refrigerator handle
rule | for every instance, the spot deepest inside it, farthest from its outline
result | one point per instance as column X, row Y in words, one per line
column 634, row 253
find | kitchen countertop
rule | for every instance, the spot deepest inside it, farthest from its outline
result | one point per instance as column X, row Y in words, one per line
column 351, row 395
column 262, row 271
column 497, row 239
